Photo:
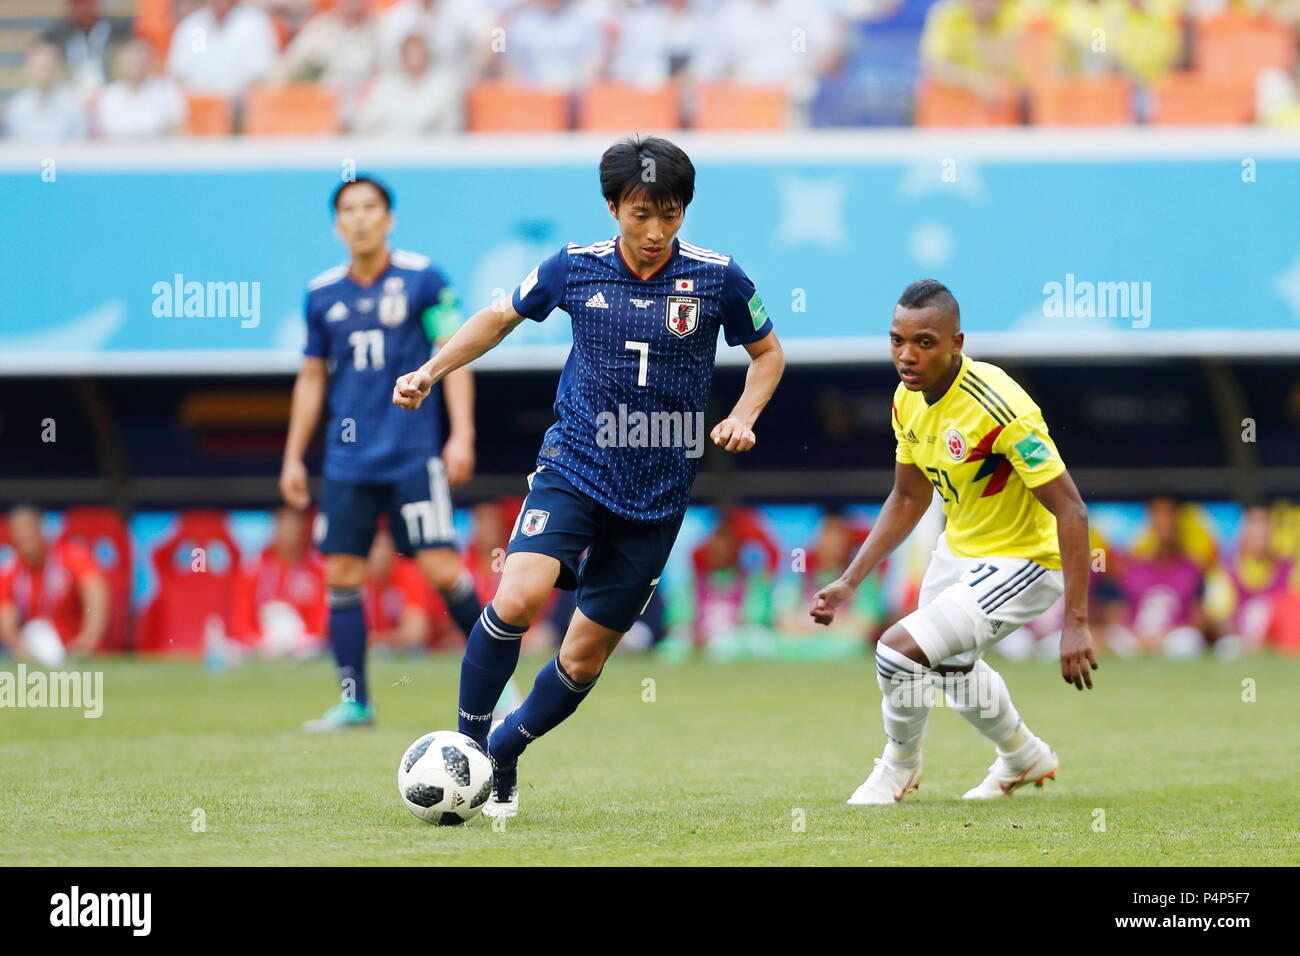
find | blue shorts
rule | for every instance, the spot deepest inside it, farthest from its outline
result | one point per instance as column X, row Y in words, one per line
column 418, row 505
column 624, row 558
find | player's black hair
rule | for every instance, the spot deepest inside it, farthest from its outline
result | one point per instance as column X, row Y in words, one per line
column 925, row 292
column 649, row 165
column 384, row 191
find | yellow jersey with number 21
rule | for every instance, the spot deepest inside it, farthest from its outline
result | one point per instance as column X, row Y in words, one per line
column 983, row 445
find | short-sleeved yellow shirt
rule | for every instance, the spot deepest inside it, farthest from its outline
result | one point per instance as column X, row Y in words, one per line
column 983, row 446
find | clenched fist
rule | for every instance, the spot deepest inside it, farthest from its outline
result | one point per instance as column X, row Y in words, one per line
column 412, row 388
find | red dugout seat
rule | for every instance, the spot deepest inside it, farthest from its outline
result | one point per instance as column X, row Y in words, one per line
column 176, row 618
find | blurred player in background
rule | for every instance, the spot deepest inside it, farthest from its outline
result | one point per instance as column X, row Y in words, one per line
column 646, row 310
column 1016, row 537
column 53, row 598
column 380, row 312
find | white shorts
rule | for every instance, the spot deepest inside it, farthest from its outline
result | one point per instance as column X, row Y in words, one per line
column 969, row 604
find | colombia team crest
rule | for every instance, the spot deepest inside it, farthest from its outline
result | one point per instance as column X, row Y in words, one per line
column 534, row 521
column 683, row 315
column 956, row 443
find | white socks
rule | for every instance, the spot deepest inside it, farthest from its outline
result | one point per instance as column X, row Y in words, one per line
column 982, row 698
column 904, row 704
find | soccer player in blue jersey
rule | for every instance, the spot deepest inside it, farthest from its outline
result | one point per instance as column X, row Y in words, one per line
column 615, row 470
column 375, row 315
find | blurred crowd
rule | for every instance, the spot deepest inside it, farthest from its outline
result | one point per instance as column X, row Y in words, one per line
column 396, row 67
column 421, row 67
column 1175, row 590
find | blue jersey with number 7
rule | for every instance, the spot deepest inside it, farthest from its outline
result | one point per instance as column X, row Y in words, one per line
column 630, row 428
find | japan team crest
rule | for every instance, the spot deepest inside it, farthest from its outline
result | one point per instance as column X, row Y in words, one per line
column 534, row 521
column 683, row 315
column 956, row 443
column 392, row 309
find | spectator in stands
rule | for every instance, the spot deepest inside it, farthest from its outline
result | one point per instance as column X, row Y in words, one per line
column 555, row 45
column 1137, row 38
column 1165, row 591
column 280, row 599
column 785, row 43
column 837, row 541
column 88, row 42
column 416, row 98
column 47, row 109
column 973, row 44
column 733, row 596
column 138, row 104
column 655, row 41
column 395, row 597
column 337, row 47
column 1243, row 590
column 222, row 48
column 52, row 597
column 458, row 34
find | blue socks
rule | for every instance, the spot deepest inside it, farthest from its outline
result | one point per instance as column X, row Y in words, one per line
column 462, row 603
column 491, row 654
column 347, row 631
column 555, row 696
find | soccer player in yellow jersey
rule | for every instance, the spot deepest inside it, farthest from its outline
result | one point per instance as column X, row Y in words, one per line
column 1016, row 538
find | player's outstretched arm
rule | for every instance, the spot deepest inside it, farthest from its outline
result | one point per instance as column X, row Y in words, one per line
column 304, row 415
column 483, row 332
column 766, row 364
column 1061, row 498
column 907, row 502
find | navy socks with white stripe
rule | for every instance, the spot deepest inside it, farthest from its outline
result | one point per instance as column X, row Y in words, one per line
column 463, row 604
column 347, row 627
column 554, row 698
column 491, row 654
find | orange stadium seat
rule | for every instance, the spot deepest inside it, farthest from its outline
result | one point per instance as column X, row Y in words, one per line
column 1081, row 101
column 299, row 109
column 155, row 21
column 1036, row 50
column 176, row 619
column 209, row 116
column 623, row 106
column 104, row 534
column 737, row 106
column 942, row 104
column 1194, row 98
column 1234, row 45
column 498, row 106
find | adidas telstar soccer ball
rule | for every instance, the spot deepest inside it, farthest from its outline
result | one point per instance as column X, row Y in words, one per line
column 444, row 778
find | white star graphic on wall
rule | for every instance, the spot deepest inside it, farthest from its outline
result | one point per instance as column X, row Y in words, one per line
column 1287, row 285
column 812, row 211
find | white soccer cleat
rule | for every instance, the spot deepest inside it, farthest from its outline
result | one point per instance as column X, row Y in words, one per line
column 1004, row 778
column 887, row 784
column 496, row 809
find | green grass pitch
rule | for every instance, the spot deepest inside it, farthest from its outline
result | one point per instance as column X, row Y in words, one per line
column 743, row 763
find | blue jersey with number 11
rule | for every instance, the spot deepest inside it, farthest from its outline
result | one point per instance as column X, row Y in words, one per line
column 369, row 335
column 629, row 410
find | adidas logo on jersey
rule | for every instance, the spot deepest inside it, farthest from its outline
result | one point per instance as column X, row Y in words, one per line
column 597, row 301
column 337, row 313
column 643, row 303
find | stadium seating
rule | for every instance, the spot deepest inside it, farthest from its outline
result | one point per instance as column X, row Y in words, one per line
column 104, row 534
column 1081, row 101
column 298, row 109
column 1236, row 47
column 501, row 107
column 733, row 106
column 176, row 619
column 611, row 107
column 1195, row 98
column 209, row 116
column 941, row 104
